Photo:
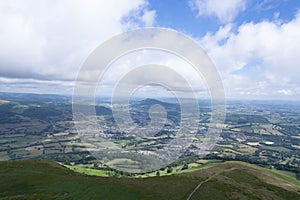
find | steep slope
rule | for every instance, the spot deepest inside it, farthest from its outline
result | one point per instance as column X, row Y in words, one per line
column 32, row 179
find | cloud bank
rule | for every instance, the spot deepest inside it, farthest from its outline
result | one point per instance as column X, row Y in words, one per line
column 49, row 40
column 260, row 59
column 44, row 43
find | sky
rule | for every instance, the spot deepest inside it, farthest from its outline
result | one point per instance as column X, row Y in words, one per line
column 253, row 43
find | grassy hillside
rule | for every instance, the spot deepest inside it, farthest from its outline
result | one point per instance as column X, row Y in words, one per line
column 31, row 179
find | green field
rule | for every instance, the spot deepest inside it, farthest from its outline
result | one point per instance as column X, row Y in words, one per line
column 35, row 179
column 176, row 170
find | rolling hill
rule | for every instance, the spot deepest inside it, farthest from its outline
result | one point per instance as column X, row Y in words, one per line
column 40, row 179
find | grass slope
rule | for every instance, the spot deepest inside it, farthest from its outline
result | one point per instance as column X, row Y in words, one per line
column 32, row 179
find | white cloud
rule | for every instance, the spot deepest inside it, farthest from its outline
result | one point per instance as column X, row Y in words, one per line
column 176, row 70
column 285, row 92
column 149, row 17
column 49, row 40
column 225, row 10
column 266, row 52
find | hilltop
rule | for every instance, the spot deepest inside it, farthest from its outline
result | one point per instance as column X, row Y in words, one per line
column 32, row 179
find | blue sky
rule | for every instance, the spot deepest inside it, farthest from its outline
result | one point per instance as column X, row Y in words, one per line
column 254, row 44
column 178, row 15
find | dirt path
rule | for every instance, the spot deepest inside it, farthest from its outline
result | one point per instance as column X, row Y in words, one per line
column 208, row 179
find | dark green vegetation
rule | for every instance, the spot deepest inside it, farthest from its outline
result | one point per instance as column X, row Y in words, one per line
column 140, row 111
column 33, row 179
